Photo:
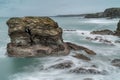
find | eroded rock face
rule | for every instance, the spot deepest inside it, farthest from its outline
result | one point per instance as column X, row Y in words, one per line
column 37, row 37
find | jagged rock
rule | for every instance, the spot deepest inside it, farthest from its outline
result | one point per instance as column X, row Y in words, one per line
column 81, row 56
column 36, row 37
column 117, row 32
column 87, row 71
column 63, row 65
column 103, row 32
column 76, row 47
column 116, row 62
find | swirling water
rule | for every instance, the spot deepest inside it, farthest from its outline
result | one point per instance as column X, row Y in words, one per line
column 34, row 68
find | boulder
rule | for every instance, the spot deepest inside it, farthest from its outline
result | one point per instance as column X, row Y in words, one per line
column 36, row 37
column 81, row 56
column 116, row 62
column 103, row 32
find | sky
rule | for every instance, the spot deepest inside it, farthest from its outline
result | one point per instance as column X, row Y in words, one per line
column 53, row 7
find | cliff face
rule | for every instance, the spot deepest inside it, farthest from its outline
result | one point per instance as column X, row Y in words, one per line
column 37, row 37
column 112, row 13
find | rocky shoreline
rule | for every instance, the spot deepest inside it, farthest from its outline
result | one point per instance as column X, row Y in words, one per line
column 109, row 32
column 38, row 37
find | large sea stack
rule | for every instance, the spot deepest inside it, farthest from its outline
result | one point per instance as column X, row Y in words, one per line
column 37, row 37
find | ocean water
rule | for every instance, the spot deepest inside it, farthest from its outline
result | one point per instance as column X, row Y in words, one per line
column 79, row 29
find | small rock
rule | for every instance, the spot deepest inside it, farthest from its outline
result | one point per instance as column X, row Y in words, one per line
column 87, row 71
column 116, row 62
column 81, row 56
column 63, row 65
column 88, row 79
column 103, row 32
column 117, row 41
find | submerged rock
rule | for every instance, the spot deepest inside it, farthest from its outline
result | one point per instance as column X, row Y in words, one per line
column 103, row 32
column 116, row 62
column 63, row 65
column 87, row 71
column 88, row 79
column 100, row 39
column 36, row 37
column 81, row 56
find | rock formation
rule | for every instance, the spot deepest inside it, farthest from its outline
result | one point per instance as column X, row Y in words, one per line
column 37, row 37
column 112, row 13
column 108, row 32
column 117, row 32
column 94, row 15
column 108, row 13
column 81, row 56
column 103, row 32
column 116, row 62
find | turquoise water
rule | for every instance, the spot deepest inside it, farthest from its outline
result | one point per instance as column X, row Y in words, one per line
column 33, row 68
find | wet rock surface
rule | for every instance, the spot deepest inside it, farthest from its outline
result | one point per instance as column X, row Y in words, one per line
column 62, row 65
column 103, row 32
column 116, row 62
column 108, row 32
column 100, row 39
column 82, row 70
column 37, row 37
column 76, row 47
column 81, row 56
